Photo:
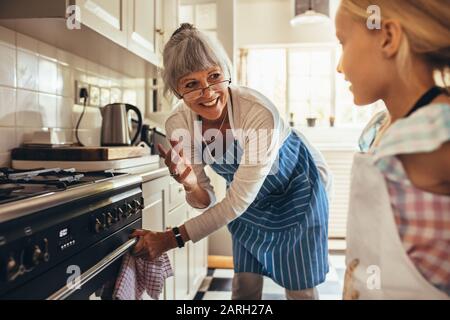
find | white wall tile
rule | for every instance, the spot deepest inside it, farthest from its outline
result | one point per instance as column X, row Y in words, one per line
column 64, row 108
column 7, row 37
column 7, row 66
column 92, row 118
column 7, row 107
column 47, row 108
column 27, row 70
column 25, row 135
column 65, row 83
column 28, row 114
column 48, row 76
column 7, row 139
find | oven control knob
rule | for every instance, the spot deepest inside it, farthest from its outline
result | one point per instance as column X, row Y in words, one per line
column 99, row 226
column 137, row 205
column 123, row 213
column 14, row 269
column 37, row 255
column 130, row 209
column 46, row 254
column 11, row 268
column 110, row 220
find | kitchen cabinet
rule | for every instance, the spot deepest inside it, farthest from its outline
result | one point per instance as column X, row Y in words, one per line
column 107, row 17
column 155, row 203
column 134, row 24
column 198, row 260
column 165, row 206
column 143, row 16
column 107, row 27
column 179, row 257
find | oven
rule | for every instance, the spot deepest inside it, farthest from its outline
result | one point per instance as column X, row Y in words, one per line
column 73, row 250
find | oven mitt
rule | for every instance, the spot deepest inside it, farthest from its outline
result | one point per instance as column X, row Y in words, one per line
column 138, row 275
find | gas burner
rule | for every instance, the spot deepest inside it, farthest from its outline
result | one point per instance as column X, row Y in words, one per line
column 19, row 184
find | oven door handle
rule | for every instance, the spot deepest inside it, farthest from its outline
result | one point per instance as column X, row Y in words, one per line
column 67, row 290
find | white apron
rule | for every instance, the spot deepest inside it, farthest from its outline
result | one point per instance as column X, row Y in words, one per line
column 377, row 264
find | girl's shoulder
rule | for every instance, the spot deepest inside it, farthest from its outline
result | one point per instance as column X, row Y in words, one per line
column 371, row 130
column 424, row 131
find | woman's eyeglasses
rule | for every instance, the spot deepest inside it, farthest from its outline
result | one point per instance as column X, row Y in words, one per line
column 198, row 93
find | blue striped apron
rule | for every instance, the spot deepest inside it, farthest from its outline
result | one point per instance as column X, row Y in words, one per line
column 284, row 232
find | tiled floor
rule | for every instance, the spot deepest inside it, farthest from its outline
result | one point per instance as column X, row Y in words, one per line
column 217, row 285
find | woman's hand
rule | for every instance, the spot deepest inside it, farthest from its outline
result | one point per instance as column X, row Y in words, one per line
column 152, row 245
column 179, row 167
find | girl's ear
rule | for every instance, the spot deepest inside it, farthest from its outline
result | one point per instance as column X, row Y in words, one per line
column 391, row 38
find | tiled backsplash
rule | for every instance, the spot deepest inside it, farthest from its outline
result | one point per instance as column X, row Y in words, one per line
column 37, row 91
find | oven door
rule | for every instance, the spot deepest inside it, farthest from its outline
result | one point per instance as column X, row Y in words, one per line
column 89, row 275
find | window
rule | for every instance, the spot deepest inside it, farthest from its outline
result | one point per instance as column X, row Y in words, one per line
column 303, row 83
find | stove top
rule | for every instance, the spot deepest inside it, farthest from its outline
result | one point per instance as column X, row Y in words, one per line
column 21, row 184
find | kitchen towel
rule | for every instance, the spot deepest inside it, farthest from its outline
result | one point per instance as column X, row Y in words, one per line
column 138, row 275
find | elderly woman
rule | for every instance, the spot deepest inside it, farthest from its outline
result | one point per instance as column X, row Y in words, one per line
column 276, row 206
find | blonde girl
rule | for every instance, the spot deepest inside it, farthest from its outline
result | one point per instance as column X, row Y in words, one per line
column 399, row 217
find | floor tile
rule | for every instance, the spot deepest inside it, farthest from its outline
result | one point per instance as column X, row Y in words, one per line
column 220, row 284
column 223, row 273
column 205, row 284
column 330, row 288
column 217, row 295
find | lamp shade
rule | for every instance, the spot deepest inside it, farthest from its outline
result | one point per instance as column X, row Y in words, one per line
column 309, row 17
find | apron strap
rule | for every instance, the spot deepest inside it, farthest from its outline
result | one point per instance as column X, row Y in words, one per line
column 426, row 99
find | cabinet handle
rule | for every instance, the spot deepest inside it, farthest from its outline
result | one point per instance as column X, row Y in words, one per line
column 160, row 31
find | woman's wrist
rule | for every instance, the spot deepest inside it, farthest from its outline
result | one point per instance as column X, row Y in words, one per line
column 191, row 188
column 171, row 242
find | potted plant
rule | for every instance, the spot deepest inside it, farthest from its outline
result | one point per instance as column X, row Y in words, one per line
column 311, row 119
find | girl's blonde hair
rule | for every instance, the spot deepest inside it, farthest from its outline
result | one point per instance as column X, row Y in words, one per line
column 426, row 24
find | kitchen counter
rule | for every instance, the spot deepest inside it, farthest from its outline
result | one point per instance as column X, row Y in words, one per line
column 149, row 172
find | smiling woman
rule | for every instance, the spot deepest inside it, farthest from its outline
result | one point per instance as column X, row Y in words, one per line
column 286, row 239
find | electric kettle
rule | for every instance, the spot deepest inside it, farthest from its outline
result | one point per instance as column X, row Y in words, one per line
column 116, row 127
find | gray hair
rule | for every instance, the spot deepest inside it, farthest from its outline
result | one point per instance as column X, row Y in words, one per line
column 190, row 50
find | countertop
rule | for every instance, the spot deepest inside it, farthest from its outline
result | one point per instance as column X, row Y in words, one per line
column 150, row 172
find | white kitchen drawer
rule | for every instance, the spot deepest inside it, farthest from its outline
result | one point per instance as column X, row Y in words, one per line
column 153, row 213
column 154, row 186
column 177, row 195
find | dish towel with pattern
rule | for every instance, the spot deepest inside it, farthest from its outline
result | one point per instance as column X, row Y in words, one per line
column 138, row 275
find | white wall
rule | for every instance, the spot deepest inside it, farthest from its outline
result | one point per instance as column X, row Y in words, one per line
column 262, row 22
column 37, row 91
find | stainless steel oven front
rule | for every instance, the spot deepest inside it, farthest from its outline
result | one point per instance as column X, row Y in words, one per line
column 73, row 250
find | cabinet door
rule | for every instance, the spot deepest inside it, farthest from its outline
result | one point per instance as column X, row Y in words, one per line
column 107, row 17
column 180, row 257
column 153, row 213
column 156, row 194
column 198, row 261
column 141, row 29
